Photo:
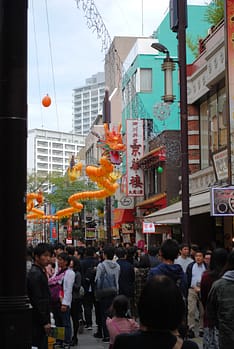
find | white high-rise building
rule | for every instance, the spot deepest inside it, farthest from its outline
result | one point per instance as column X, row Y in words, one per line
column 51, row 151
column 87, row 103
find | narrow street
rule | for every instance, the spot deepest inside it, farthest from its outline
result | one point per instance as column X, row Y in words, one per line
column 87, row 341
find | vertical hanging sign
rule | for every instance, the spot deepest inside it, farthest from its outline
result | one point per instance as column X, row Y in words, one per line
column 135, row 150
column 229, row 19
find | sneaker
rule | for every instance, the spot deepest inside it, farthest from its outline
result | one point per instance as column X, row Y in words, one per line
column 106, row 339
column 97, row 335
column 89, row 328
column 190, row 334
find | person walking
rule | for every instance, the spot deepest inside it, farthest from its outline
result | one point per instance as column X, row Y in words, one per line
column 220, row 305
column 194, row 274
column 161, row 311
column 88, row 272
column 39, row 295
column 184, row 259
column 76, row 304
column 107, row 287
column 126, row 277
column 141, row 275
column 61, row 305
column 169, row 250
column 217, row 262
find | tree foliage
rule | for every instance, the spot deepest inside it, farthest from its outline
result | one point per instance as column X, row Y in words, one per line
column 214, row 12
column 193, row 44
column 61, row 188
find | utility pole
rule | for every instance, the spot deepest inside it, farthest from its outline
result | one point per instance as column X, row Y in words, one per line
column 182, row 24
column 178, row 23
column 15, row 310
column 107, row 120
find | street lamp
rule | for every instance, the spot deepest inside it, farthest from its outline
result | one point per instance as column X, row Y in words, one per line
column 168, row 67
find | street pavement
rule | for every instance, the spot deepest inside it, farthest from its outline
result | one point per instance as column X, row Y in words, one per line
column 87, row 341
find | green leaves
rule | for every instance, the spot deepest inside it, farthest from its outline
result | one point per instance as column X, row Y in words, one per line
column 215, row 12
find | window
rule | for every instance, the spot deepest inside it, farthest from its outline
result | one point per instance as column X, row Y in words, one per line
column 204, row 135
column 213, row 126
column 146, row 79
column 222, row 118
column 213, row 123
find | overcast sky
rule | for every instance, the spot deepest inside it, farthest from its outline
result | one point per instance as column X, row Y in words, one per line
column 63, row 51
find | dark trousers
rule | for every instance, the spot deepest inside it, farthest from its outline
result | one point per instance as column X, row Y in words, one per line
column 89, row 302
column 66, row 317
column 76, row 315
column 39, row 337
column 104, row 305
column 62, row 319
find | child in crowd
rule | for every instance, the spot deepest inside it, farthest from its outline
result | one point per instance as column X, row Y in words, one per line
column 120, row 322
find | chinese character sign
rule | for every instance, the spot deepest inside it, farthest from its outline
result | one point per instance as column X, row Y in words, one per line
column 135, row 150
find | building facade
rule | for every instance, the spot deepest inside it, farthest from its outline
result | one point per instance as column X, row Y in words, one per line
column 209, row 122
column 87, row 103
column 143, row 88
column 50, row 151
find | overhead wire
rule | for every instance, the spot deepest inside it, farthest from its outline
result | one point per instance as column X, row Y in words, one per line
column 37, row 61
column 52, row 65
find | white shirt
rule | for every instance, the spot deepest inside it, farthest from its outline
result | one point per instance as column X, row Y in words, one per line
column 197, row 272
column 68, row 282
column 183, row 262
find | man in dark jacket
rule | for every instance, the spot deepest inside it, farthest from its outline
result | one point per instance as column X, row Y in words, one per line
column 39, row 295
column 126, row 277
column 168, row 253
column 88, row 272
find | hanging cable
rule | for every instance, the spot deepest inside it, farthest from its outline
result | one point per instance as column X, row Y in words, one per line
column 52, row 66
column 37, row 62
column 95, row 22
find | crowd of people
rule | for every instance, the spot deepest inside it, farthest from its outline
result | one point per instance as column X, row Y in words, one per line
column 155, row 298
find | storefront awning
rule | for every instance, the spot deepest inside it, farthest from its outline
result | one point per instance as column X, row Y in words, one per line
column 158, row 200
column 153, row 157
column 199, row 204
column 123, row 216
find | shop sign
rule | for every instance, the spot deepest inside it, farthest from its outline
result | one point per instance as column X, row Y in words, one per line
column 220, row 161
column 135, row 150
column 148, row 228
column 222, row 201
column 127, row 228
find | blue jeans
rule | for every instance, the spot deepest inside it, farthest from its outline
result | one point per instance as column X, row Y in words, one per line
column 67, row 325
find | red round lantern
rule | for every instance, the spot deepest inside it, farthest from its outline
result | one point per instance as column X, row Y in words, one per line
column 46, row 101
